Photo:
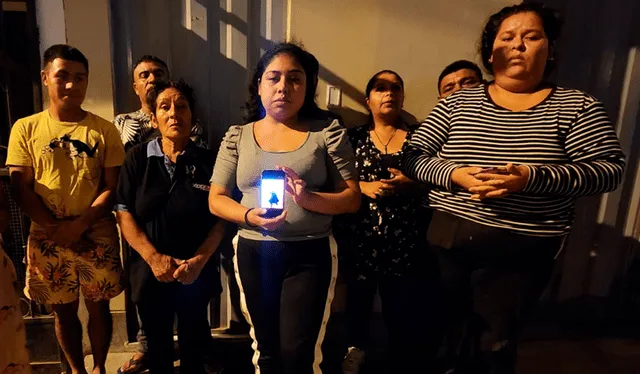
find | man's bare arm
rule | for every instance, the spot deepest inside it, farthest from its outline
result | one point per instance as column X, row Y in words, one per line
column 22, row 182
column 103, row 204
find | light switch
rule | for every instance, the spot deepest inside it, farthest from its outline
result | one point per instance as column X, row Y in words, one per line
column 334, row 96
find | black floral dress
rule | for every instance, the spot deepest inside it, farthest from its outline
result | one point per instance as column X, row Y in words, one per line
column 387, row 236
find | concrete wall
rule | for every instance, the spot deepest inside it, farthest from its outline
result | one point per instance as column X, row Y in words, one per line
column 599, row 53
column 416, row 38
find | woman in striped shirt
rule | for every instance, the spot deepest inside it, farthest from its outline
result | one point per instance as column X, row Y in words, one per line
column 507, row 161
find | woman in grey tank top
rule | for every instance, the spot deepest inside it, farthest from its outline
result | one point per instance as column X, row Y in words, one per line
column 285, row 265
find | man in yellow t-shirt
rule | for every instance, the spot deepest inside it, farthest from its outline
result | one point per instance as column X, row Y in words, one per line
column 64, row 164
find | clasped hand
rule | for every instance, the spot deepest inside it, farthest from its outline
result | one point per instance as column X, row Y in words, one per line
column 67, row 233
column 168, row 269
column 384, row 187
column 495, row 183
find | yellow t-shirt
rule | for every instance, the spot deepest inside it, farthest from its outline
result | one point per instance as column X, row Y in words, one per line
column 67, row 158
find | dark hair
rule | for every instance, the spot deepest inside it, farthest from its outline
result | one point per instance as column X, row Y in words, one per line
column 375, row 77
column 459, row 65
column 150, row 58
column 65, row 52
column 551, row 22
column 179, row 85
column 372, row 82
column 254, row 109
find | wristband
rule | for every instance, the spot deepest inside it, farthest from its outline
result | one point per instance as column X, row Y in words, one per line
column 246, row 221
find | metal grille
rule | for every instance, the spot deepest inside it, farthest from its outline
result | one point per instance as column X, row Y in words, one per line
column 15, row 241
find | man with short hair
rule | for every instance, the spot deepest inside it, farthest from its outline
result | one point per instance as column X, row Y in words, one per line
column 136, row 127
column 458, row 75
column 64, row 164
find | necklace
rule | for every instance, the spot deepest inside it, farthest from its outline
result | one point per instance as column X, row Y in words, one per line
column 389, row 141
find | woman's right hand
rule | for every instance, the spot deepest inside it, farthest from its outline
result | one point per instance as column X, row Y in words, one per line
column 163, row 267
column 371, row 189
column 254, row 218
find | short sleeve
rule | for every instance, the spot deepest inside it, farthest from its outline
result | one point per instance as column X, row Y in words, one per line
column 119, row 122
column 199, row 136
column 226, row 167
column 127, row 184
column 114, row 150
column 340, row 150
column 18, row 153
column 356, row 135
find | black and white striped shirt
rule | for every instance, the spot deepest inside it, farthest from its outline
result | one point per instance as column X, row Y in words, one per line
column 567, row 141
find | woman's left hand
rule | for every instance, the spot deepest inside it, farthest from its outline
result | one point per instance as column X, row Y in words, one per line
column 501, row 184
column 295, row 186
column 189, row 270
column 398, row 181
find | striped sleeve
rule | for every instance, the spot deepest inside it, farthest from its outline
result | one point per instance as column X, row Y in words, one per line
column 421, row 159
column 597, row 160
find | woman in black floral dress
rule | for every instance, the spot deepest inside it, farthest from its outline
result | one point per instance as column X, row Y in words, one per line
column 383, row 245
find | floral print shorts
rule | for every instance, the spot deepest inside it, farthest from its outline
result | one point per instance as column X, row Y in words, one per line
column 57, row 275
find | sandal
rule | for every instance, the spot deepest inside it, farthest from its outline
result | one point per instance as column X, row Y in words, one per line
column 133, row 366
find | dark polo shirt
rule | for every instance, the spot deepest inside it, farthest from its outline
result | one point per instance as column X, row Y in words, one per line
column 169, row 202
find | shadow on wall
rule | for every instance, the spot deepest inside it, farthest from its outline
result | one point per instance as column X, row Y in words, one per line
column 596, row 291
column 588, row 316
column 593, row 56
column 215, row 53
column 353, row 118
column 211, row 52
column 610, row 268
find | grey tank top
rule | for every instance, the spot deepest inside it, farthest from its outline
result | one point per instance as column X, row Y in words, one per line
column 321, row 161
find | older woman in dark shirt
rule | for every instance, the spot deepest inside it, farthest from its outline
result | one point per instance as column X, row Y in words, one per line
column 163, row 214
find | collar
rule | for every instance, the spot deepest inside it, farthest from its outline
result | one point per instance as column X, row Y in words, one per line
column 154, row 149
